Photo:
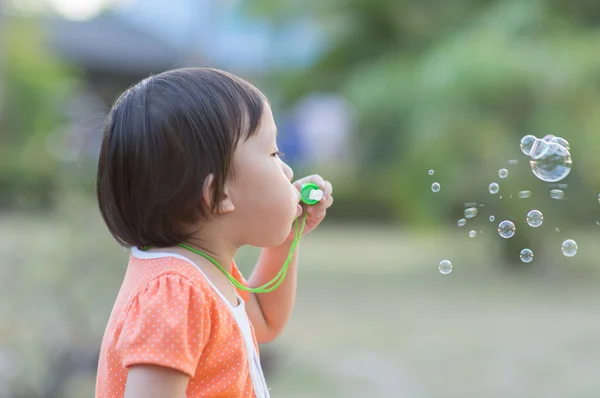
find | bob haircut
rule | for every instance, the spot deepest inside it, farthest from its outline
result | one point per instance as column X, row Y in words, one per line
column 162, row 138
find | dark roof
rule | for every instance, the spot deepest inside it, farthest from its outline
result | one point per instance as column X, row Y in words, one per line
column 108, row 43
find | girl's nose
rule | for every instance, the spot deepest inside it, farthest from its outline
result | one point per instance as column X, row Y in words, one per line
column 287, row 170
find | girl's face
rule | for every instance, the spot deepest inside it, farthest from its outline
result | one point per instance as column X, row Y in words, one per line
column 265, row 201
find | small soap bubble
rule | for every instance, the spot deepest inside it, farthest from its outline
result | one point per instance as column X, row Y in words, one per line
column 462, row 222
column 557, row 194
column 539, row 148
column 506, row 229
column 569, row 248
column 527, row 143
column 492, row 218
column 535, row 218
column 526, row 255
column 494, row 188
column 557, row 229
column 435, row 187
column 554, row 165
column 471, row 212
column 599, row 198
column 524, row 194
column 472, row 233
column 445, row 267
column 502, row 173
column 513, row 161
column 431, row 172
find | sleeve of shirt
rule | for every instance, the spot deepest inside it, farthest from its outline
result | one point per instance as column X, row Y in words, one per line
column 168, row 324
column 235, row 272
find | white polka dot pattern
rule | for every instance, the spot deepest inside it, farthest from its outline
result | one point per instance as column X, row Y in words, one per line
column 167, row 314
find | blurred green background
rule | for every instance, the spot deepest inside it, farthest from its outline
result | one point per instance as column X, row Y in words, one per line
column 371, row 95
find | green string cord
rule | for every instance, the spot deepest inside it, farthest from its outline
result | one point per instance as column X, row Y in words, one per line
column 273, row 283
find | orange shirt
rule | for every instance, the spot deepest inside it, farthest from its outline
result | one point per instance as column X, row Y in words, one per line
column 168, row 313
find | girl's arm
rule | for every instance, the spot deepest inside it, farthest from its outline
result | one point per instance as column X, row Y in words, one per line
column 269, row 312
column 150, row 381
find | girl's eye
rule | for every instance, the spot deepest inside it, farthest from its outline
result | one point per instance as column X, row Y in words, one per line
column 277, row 154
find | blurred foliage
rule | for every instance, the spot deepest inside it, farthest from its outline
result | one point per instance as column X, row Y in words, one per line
column 443, row 85
column 453, row 86
column 36, row 85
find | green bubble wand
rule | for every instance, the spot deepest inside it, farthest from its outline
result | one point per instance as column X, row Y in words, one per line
column 310, row 194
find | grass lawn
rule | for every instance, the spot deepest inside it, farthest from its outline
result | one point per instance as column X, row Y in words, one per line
column 374, row 317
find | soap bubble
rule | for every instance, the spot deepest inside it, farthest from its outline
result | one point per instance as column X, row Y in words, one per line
column 492, row 218
column 599, row 198
column 524, row 194
column 435, row 187
column 506, row 229
column 445, row 267
column 553, row 165
column 502, row 173
column 569, row 248
column 557, row 194
column 462, row 222
column 560, row 141
column 431, row 172
column 527, row 143
column 472, row 233
column 539, row 148
column 471, row 212
column 494, row 188
column 526, row 255
column 535, row 218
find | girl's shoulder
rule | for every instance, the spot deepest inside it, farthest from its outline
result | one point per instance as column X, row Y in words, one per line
column 168, row 314
column 146, row 268
column 165, row 314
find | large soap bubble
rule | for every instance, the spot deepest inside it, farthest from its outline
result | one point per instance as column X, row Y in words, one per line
column 554, row 165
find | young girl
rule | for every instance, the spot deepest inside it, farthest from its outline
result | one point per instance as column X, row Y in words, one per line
column 189, row 171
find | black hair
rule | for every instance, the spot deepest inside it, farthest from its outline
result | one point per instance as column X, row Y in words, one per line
column 163, row 137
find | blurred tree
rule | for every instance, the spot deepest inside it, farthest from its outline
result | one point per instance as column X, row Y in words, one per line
column 36, row 85
column 452, row 86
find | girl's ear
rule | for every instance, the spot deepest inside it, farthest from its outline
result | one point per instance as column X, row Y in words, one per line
column 225, row 205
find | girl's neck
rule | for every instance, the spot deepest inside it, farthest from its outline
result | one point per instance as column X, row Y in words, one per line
column 221, row 255
column 212, row 240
